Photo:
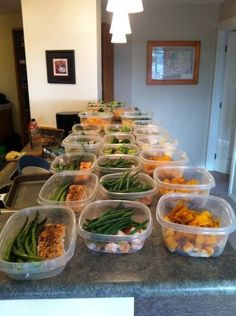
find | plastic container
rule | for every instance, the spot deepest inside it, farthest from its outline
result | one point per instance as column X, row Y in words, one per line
column 98, row 118
column 81, row 143
column 86, row 129
column 126, row 149
column 119, row 138
column 117, row 128
column 196, row 241
column 143, row 197
column 119, row 110
column 153, row 158
column 129, row 118
column 172, row 179
column 121, row 243
column 136, row 164
column 40, row 269
column 83, row 178
column 73, row 162
column 150, row 129
column 154, row 142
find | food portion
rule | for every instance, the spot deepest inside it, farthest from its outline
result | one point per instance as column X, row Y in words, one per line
column 119, row 221
column 122, row 149
column 69, row 192
column 117, row 163
column 179, row 181
column 96, row 121
column 191, row 244
column 155, row 161
column 117, row 140
column 118, row 129
column 74, row 164
column 36, row 240
column 126, row 183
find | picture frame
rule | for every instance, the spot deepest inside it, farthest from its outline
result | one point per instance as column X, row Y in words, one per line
column 173, row 62
column 60, row 66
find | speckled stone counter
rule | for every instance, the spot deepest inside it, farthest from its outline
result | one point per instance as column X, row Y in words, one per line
column 162, row 283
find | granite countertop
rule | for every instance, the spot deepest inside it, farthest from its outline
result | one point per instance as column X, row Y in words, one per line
column 151, row 272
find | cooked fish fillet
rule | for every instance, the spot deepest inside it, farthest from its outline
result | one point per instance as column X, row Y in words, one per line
column 51, row 241
column 76, row 192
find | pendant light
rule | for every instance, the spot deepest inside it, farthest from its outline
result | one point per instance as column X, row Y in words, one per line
column 118, row 38
column 120, row 23
column 129, row 6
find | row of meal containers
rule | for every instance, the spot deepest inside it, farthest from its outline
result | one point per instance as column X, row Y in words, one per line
column 205, row 241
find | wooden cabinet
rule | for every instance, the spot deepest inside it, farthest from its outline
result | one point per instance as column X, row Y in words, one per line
column 22, row 83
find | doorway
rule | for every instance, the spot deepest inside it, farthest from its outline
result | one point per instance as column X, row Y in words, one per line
column 223, row 114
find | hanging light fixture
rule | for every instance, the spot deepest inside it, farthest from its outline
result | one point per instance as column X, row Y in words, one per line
column 129, row 6
column 120, row 23
column 118, row 38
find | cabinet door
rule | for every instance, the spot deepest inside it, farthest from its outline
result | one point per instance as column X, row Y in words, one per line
column 107, row 64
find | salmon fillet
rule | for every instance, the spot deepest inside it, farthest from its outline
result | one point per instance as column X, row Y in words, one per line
column 51, row 241
column 76, row 192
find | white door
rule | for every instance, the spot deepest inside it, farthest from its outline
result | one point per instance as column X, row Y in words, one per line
column 225, row 141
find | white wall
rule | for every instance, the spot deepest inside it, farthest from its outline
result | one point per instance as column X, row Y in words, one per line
column 61, row 25
column 8, row 21
column 182, row 109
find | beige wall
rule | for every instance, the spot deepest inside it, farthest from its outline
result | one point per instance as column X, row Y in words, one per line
column 8, row 21
column 227, row 9
column 71, row 25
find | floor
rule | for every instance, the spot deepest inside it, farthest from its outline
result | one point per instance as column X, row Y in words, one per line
column 221, row 188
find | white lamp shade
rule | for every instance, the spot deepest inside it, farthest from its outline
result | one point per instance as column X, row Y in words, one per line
column 118, row 38
column 120, row 23
column 128, row 6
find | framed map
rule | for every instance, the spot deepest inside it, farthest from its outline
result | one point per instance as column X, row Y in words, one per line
column 173, row 62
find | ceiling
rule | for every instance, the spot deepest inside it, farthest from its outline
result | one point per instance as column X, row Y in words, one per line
column 14, row 5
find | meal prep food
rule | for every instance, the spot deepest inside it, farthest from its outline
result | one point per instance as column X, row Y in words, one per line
column 74, row 161
column 37, row 242
column 96, row 118
column 195, row 225
column 185, row 179
column 81, row 143
column 153, row 158
column 86, row 129
column 115, row 226
column 118, row 138
column 117, row 128
column 125, row 149
column 118, row 163
column 155, row 142
column 137, row 186
column 70, row 188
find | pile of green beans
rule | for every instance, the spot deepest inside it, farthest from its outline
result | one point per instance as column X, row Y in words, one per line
column 24, row 247
column 126, row 183
column 61, row 193
column 114, row 220
column 73, row 165
column 117, row 163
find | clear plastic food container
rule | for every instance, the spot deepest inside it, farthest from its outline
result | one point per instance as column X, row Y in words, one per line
column 55, row 191
column 129, row 118
column 102, row 168
column 86, row 129
column 120, row 243
column 125, row 149
column 183, row 179
column 119, row 110
column 117, row 128
column 196, row 241
column 37, row 269
column 154, row 142
column 153, row 158
column 97, row 118
column 153, row 130
column 81, row 143
column 145, row 197
column 119, row 138
column 74, row 161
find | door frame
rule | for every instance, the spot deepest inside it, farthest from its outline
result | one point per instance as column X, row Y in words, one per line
column 223, row 28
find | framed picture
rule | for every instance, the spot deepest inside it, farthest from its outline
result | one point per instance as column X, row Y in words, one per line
column 173, row 62
column 60, row 66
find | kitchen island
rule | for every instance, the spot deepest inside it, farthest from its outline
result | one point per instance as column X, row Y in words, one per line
column 161, row 283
